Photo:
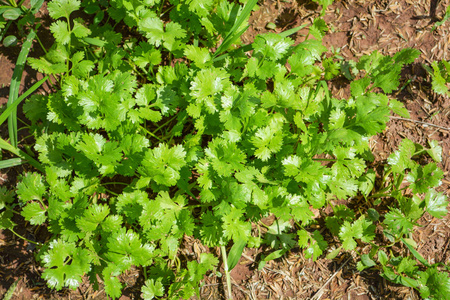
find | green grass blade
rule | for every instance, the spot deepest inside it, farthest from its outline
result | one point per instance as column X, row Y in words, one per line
column 233, row 34
column 416, row 254
column 11, row 290
column 249, row 47
column 15, row 85
column 14, row 105
column 235, row 253
column 8, row 163
column 291, row 31
column 5, row 145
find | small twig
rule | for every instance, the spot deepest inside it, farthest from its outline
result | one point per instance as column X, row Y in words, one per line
column 420, row 122
column 320, row 291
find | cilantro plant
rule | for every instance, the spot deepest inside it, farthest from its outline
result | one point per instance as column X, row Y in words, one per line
column 440, row 76
column 168, row 128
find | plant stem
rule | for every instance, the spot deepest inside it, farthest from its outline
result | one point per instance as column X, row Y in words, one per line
column 227, row 272
column 40, row 43
column 24, row 238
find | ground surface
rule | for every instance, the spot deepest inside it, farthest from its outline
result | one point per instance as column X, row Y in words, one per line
column 357, row 28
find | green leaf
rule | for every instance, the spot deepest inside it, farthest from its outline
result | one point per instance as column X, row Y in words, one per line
column 360, row 229
column 65, row 264
column 154, row 30
column 9, row 41
column 152, row 288
column 318, row 29
column 61, row 32
column 79, row 30
column 398, row 108
column 415, row 253
column 62, row 8
column 200, row 56
column 6, row 197
column 235, row 253
column 34, row 213
column 163, row 164
column 272, row 46
column 422, row 178
column 269, row 139
column 234, row 228
column 12, row 14
column 92, row 217
column 317, row 246
column 436, row 203
column 435, row 151
column 31, row 187
column 113, row 287
column 401, row 159
column 434, row 283
column 397, row 222
column 382, row 257
column 406, row 56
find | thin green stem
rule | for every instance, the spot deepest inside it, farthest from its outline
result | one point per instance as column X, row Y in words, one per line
column 227, row 272
column 150, row 133
column 111, row 192
column 123, row 183
column 325, row 159
column 167, row 122
column 40, row 43
column 24, row 238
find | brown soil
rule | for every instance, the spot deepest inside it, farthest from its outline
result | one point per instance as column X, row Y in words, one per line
column 357, row 27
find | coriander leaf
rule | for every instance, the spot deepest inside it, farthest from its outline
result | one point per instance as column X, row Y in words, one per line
column 436, row 203
column 201, row 7
column 62, row 8
column 225, row 157
column 318, row 29
column 435, row 151
column 360, row 229
column 163, row 164
column 60, row 31
column 422, row 178
column 128, row 204
column 200, row 56
column 79, row 30
column 153, row 29
column 6, row 220
column 401, row 159
column 173, row 35
column 406, row 56
column 303, row 238
column 211, row 230
column 397, row 222
column 31, row 187
column 65, row 264
column 206, row 84
column 434, row 283
column 113, row 287
column 125, row 249
column 34, row 213
column 388, row 79
column 398, row 108
column 146, row 55
column 92, row 217
column 234, row 228
column 152, row 288
column 271, row 46
column 347, row 233
column 6, row 197
column 317, row 246
column 269, row 139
